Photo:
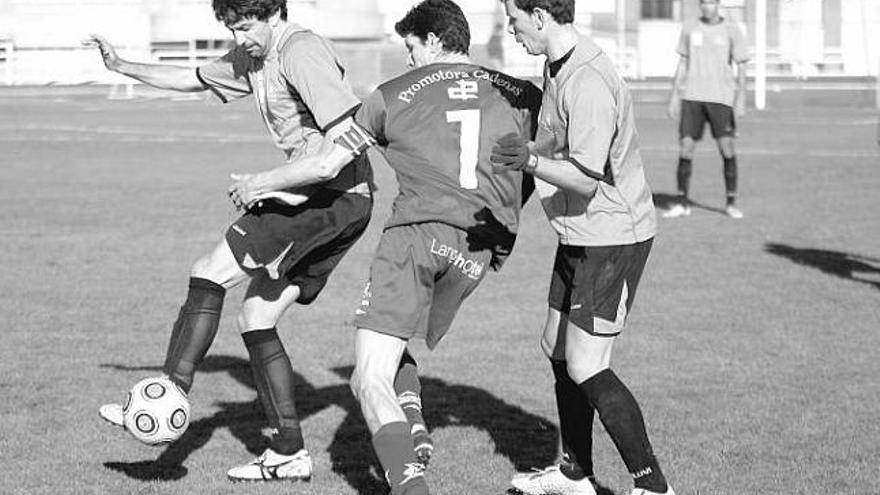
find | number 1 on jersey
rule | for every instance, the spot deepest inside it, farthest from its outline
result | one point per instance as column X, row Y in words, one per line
column 470, row 145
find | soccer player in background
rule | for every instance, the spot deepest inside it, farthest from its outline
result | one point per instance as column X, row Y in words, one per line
column 453, row 217
column 285, row 249
column 705, row 88
column 589, row 175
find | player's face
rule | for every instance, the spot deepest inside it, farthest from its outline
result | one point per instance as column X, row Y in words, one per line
column 524, row 27
column 253, row 35
column 420, row 53
column 709, row 8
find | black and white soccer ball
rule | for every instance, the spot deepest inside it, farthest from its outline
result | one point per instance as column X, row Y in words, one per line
column 156, row 412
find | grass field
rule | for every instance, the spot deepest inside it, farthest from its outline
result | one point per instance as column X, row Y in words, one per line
column 752, row 347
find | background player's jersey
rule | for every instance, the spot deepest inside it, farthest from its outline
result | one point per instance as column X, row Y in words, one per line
column 437, row 125
column 710, row 49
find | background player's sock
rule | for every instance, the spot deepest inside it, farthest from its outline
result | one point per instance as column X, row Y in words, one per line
column 409, row 396
column 575, row 424
column 273, row 375
column 194, row 331
column 730, row 176
column 685, row 168
column 620, row 413
column 393, row 447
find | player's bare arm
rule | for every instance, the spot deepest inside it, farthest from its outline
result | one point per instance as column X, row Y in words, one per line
column 674, row 108
column 512, row 152
column 171, row 77
column 341, row 145
column 739, row 101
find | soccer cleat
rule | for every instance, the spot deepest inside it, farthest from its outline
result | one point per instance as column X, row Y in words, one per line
column 677, row 210
column 733, row 212
column 551, row 481
column 112, row 413
column 272, row 466
column 642, row 491
column 423, row 446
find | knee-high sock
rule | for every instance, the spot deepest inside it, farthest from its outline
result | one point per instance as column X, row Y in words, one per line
column 393, row 447
column 194, row 331
column 730, row 176
column 273, row 375
column 683, row 175
column 622, row 418
column 575, row 422
column 409, row 390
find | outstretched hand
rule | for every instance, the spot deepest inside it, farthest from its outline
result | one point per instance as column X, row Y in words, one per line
column 245, row 194
column 108, row 53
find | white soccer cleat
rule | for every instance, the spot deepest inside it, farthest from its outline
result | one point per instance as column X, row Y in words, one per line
column 642, row 491
column 733, row 212
column 551, row 481
column 272, row 466
column 677, row 210
column 112, row 413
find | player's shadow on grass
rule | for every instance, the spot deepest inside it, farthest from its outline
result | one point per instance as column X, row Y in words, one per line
column 525, row 439
column 664, row 201
column 845, row 265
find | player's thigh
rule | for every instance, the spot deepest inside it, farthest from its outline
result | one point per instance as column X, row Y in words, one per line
column 219, row 266
column 302, row 243
column 458, row 276
column 605, row 284
column 377, row 356
column 693, row 120
column 265, row 302
column 722, row 122
column 559, row 299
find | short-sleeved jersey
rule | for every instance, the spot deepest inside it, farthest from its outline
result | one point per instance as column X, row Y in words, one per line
column 710, row 50
column 587, row 118
column 301, row 90
column 437, row 125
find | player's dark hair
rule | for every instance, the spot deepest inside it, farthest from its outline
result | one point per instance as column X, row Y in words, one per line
column 562, row 11
column 443, row 18
column 230, row 11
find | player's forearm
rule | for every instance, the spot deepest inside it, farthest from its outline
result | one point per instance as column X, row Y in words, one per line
column 564, row 174
column 741, row 81
column 306, row 171
column 171, row 77
column 677, row 80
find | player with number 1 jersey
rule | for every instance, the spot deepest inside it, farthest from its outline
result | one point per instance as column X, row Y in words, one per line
column 437, row 124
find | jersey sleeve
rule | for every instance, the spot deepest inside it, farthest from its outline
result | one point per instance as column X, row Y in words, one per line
column 227, row 77
column 371, row 116
column 311, row 67
column 592, row 121
column 739, row 50
column 683, row 47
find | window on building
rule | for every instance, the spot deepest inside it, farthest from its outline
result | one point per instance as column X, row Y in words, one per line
column 657, row 9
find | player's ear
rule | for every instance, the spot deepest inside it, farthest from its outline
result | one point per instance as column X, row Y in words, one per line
column 539, row 17
column 433, row 42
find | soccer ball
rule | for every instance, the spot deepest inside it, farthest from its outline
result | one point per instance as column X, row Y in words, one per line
column 156, row 412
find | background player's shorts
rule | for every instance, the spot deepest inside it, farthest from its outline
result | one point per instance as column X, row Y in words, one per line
column 695, row 114
column 596, row 286
column 302, row 244
column 420, row 275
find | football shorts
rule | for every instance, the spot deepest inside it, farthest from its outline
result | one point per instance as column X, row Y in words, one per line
column 595, row 285
column 300, row 244
column 695, row 114
column 420, row 275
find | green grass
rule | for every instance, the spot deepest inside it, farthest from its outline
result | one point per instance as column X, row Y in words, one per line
column 752, row 346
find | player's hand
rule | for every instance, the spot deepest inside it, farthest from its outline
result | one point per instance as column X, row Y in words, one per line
column 243, row 192
column 673, row 110
column 108, row 53
column 287, row 197
column 511, row 153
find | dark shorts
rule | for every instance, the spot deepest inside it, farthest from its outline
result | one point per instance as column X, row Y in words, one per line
column 695, row 114
column 302, row 244
column 420, row 276
column 595, row 286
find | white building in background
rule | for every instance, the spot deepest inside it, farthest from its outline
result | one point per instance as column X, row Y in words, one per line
column 40, row 39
